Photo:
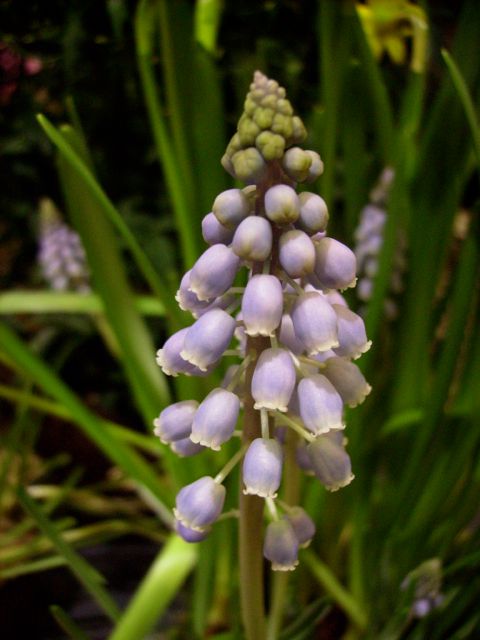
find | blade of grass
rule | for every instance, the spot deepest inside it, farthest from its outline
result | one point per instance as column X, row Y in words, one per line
column 114, row 449
column 86, row 575
column 19, row 302
column 466, row 100
column 146, row 18
column 157, row 589
column 207, row 18
column 66, row 623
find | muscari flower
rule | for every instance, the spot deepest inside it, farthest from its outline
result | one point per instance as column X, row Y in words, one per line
column 296, row 334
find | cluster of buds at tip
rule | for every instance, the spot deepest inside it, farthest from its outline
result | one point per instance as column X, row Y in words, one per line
column 61, row 255
column 296, row 337
column 369, row 240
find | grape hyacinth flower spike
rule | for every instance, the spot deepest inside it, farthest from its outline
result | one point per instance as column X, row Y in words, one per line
column 297, row 337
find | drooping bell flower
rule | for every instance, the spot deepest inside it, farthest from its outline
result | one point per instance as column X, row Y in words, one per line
column 214, row 232
column 273, row 380
column 214, row 272
column 231, row 207
column 296, row 253
column 315, row 322
column 207, row 339
column 169, row 358
column 190, row 535
column 281, row 545
column 313, row 213
column 175, row 421
column 351, row 333
column 215, row 419
column 302, row 524
column 282, row 205
column 185, row 448
column 321, row 406
column 200, row 503
column 335, row 264
column 348, row 380
column 331, row 463
column 262, row 468
column 262, row 305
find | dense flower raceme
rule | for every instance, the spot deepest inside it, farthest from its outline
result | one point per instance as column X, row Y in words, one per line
column 61, row 255
column 304, row 376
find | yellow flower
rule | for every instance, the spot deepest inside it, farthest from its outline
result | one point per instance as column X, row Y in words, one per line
column 388, row 24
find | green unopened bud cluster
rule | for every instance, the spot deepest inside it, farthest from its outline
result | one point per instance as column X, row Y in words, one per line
column 268, row 130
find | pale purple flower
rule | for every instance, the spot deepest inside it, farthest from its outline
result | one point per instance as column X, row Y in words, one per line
column 273, row 380
column 190, row 535
column 331, row 463
column 185, row 448
column 351, row 333
column 175, row 421
column 187, row 300
column 214, row 232
column 335, row 264
column 282, row 205
column 321, row 407
column 315, row 322
column 288, row 337
column 253, row 239
column 296, row 253
column 206, row 340
column 262, row 305
column 348, row 380
column 200, row 503
column 214, row 272
column 231, row 207
column 281, row 545
column 169, row 358
column 302, row 524
column 262, row 468
column 215, row 419
column 313, row 213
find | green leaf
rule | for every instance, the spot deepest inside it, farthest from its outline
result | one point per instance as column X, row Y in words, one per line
column 157, row 589
column 87, row 575
column 67, row 624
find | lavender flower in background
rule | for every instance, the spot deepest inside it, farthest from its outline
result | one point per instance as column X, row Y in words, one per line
column 296, row 334
column 61, row 255
column 369, row 241
column 426, row 583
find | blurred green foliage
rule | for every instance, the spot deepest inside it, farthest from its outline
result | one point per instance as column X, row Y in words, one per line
column 138, row 101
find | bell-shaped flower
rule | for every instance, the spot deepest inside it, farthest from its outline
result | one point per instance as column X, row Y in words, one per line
column 351, row 333
column 321, row 406
column 302, row 459
column 335, row 264
column 169, row 358
column 190, row 535
column 207, row 339
column 302, row 524
column 313, row 213
column 187, row 300
column 348, row 380
column 282, row 205
column 199, row 504
column 214, row 272
column 331, row 463
column 335, row 297
column 214, row 232
column 175, row 421
column 262, row 305
column 231, row 207
column 262, row 468
column 253, row 239
column 281, row 545
column 215, row 419
column 273, row 380
column 185, row 448
column 314, row 322
column 288, row 337
column 296, row 253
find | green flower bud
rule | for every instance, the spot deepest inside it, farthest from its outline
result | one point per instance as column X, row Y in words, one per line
column 282, row 125
column 284, row 106
column 316, row 168
column 248, row 164
column 247, row 131
column 269, row 101
column 299, row 131
column 234, row 145
column 264, row 117
column 296, row 163
column 249, row 106
column 270, row 145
